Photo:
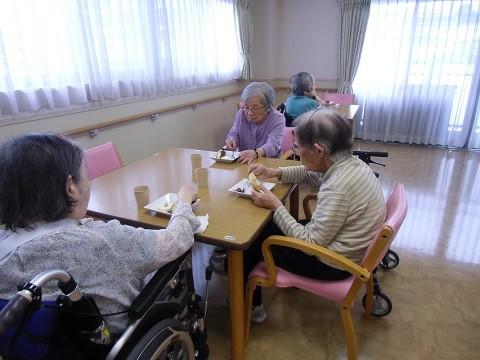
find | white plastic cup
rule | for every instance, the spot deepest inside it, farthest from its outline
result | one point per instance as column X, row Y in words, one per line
column 142, row 195
column 201, row 175
column 196, row 163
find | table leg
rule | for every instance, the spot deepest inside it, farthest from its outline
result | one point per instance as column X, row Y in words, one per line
column 294, row 201
column 237, row 308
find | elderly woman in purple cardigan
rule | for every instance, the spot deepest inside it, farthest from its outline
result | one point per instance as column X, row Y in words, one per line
column 258, row 127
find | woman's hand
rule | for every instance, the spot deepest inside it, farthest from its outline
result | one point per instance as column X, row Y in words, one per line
column 187, row 193
column 263, row 172
column 312, row 94
column 247, row 156
column 266, row 199
column 323, row 102
column 230, row 144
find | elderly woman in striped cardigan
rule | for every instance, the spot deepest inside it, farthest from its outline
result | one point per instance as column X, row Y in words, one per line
column 350, row 205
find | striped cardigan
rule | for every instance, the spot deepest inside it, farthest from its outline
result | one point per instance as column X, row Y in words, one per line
column 350, row 207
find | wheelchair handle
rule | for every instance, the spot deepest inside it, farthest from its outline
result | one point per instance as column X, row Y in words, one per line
column 370, row 153
column 30, row 292
column 378, row 153
column 366, row 156
column 13, row 312
column 46, row 276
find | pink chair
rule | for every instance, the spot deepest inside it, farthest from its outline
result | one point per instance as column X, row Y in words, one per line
column 343, row 292
column 287, row 140
column 287, row 144
column 102, row 159
column 342, row 99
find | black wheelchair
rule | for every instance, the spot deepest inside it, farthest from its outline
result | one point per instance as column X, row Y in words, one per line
column 166, row 321
column 382, row 304
column 391, row 258
column 288, row 119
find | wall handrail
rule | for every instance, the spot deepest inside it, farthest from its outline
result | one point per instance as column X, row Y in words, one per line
column 91, row 129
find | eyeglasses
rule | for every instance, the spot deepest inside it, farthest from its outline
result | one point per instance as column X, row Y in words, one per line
column 253, row 109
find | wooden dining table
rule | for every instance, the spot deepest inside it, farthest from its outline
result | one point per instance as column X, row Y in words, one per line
column 234, row 221
column 348, row 111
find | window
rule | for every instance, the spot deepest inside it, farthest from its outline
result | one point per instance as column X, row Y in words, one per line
column 425, row 54
column 452, row 43
column 68, row 54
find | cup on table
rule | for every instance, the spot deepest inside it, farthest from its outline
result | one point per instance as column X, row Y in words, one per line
column 201, row 175
column 196, row 163
column 142, row 195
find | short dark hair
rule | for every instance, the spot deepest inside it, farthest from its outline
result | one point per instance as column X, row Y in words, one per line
column 301, row 83
column 326, row 127
column 33, row 177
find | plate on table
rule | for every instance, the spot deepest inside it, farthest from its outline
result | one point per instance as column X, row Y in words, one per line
column 226, row 156
column 243, row 187
column 166, row 204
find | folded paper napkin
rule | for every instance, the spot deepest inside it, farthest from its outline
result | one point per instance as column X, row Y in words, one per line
column 203, row 224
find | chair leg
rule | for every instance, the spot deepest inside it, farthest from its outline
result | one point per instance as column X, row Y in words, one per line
column 369, row 300
column 349, row 332
column 248, row 309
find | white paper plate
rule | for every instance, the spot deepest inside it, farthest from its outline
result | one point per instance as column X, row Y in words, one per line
column 245, row 185
column 166, row 203
column 229, row 157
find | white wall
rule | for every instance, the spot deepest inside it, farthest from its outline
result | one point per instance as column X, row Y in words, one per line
column 290, row 36
column 203, row 128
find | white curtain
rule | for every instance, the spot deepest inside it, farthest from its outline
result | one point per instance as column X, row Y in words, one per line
column 418, row 75
column 474, row 141
column 245, row 29
column 473, row 110
column 353, row 24
column 75, row 53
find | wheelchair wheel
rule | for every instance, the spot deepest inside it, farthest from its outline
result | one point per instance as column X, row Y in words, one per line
column 382, row 305
column 390, row 260
column 167, row 340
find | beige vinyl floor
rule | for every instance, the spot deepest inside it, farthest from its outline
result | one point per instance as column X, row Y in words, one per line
column 435, row 290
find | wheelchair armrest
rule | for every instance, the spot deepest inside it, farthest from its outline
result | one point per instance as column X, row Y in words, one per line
column 152, row 290
column 312, row 249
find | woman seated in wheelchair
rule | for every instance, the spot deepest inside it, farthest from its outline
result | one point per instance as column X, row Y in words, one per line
column 304, row 96
column 350, row 205
column 44, row 193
